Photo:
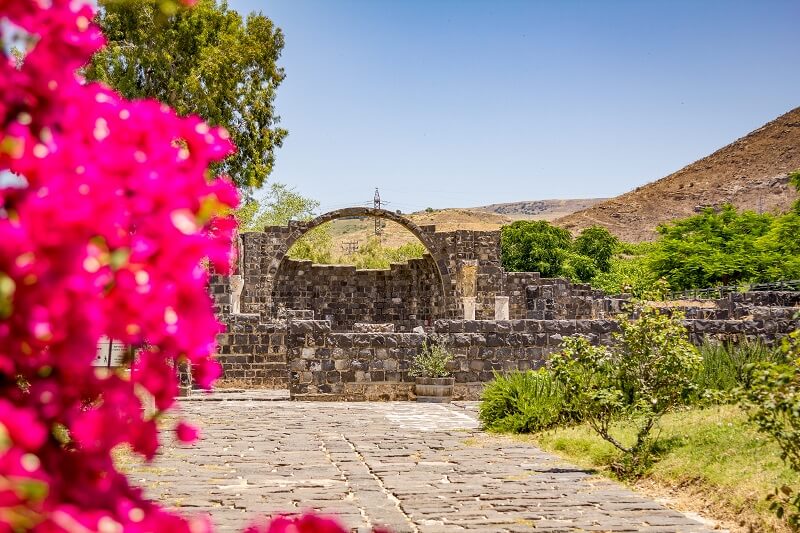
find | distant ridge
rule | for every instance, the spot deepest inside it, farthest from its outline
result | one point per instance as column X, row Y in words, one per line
column 750, row 173
column 541, row 209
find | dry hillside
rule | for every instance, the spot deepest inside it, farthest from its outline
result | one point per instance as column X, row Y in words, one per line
column 750, row 173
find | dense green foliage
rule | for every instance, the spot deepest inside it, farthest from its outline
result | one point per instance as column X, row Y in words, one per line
column 772, row 401
column 630, row 273
column 206, row 60
column 534, row 246
column 373, row 255
column 432, row 360
column 523, row 402
column 538, row 246
column 719, row 247
column 315, row 245
column 275, row 207
column 598, row 244
column 716, row 247
column 726, row 367
column 635, row 382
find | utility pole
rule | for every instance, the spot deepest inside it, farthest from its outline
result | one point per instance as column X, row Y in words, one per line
column 376, row 203
column 350, row 247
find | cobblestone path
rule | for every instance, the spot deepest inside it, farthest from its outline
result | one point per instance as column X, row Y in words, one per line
column 413, row 467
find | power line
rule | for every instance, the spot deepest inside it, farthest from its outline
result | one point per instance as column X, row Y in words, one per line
column 376, row 203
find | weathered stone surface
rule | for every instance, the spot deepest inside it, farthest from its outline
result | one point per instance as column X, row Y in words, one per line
column 412, row 467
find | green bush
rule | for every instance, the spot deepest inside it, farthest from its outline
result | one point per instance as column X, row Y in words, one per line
column 629, row 273
column 523, row 402
column 727, row 366
column 373, row 255
column 772, row 402
column 646, row 373
column 538, row 246
column 598, row 244
column 432, row 360
column 579, row 267
column 534, row 246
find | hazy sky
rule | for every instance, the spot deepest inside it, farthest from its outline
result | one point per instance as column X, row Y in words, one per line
column 464, row 103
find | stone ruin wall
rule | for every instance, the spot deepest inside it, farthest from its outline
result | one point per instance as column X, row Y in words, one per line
column 317, row 329
column 406, row 295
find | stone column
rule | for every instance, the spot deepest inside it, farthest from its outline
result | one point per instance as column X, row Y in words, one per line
column 237, row 284
column 501, row 307
column 469, row 307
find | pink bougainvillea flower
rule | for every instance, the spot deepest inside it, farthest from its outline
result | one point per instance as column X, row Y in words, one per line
column 186, row 433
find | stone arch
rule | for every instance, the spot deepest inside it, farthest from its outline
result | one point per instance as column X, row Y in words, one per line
column 298, row 229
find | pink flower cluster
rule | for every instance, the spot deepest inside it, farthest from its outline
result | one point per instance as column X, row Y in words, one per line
column 104, row 237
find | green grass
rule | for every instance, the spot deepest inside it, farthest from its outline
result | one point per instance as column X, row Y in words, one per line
column 720, row 463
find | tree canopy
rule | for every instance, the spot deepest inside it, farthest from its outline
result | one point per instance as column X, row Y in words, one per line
column 206, row 60
column 534, row 246
column 538, row 246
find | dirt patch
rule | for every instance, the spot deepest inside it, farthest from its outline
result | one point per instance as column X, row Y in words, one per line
column 695, row 500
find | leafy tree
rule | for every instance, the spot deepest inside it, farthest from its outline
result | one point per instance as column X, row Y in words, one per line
column 779, row 249
column 579, row 267
column 794, row 179
column 646, row 373
column 276, row 207
column 597, row 243
column 711, row 248
column 534, row 246
column 208, row 61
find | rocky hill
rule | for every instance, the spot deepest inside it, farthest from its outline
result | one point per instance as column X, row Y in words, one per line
column 541, row 209
column 750, row 173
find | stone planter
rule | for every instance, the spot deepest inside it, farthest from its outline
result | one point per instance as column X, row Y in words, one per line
column 434, row 390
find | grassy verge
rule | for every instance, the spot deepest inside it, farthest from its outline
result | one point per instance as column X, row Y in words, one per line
column 711, row 461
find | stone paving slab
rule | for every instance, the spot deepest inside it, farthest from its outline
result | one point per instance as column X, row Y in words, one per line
column 413, row 467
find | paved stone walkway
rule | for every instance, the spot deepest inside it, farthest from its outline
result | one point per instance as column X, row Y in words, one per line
column 414, row 467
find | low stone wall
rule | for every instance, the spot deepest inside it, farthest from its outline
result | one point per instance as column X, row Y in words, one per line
column 769, row 332
column 253, row 353
column 374, row 366
column 360, row 366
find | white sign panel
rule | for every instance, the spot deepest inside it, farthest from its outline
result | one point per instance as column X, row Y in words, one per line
column 110, row 353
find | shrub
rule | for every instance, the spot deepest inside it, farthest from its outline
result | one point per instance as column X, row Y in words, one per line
column 523, row 402
column 579, row 267
column 772, row 402
column 432, row 360
column 629, row 273
column 727, row 366
column 373, row 255
column 648, row 372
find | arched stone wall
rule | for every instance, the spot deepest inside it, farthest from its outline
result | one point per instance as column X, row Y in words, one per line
column 260, row 272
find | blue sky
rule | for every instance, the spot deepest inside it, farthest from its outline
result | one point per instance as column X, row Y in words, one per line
column 464, row 103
